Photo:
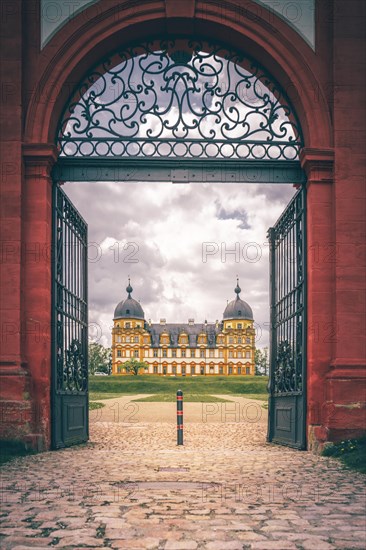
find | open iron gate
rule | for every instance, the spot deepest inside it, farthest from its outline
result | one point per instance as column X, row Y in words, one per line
column 69, row 324
column 287, row 383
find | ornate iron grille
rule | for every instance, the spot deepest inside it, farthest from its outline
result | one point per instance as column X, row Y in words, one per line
column 70, row 321
column 288, row 324
column 71, row 303
column 180, row 99
column 289, row 300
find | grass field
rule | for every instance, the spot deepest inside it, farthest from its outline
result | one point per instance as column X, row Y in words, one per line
column 196, row 389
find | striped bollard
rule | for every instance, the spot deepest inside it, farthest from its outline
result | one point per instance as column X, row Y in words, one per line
column 179, row 417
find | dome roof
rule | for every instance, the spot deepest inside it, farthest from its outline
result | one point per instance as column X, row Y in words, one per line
column 237, row 308
column 129, row 308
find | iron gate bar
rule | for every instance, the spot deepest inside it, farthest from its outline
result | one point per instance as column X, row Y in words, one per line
column 180, row 170
column 69, row 391
column 287, row 380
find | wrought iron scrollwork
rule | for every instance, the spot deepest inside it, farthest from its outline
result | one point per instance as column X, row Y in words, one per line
column 75, row 371
column 179, row 99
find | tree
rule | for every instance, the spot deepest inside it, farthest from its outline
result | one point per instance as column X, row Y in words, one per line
column 261, row 361
column 100, row 358
column 134, row 366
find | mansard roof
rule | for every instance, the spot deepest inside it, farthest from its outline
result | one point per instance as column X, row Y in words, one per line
column 176, row 329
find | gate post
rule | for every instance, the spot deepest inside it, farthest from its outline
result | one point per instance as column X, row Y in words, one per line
column 36, row 252
column 321, row 315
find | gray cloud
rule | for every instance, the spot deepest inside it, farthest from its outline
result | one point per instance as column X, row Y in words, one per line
column 237, row 214
column 163, row 226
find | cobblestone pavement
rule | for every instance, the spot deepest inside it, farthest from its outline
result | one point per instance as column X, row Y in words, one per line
column 131, row 487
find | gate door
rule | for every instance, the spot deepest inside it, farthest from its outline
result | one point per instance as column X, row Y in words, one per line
column 69, row 324
column 287, row 383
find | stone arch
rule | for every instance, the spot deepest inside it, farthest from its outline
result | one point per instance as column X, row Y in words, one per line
column 84, row 41
column 87, row 39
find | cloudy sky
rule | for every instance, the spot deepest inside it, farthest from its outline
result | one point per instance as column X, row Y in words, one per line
column 174, row 240
column 182, row 244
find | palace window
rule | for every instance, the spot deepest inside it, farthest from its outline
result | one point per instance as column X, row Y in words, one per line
column 183, row 352
column 221, row 353
column 230, row 370
column 128, row 325
column 221, row 370
column 193, row 369
column 239, row 340
column 247, row 354
column 155, row 370
column 136, row 353
column 165, row 353
column 240, row 354
column 212, row 353
column 118, row 339
column 231, row 340
column 247, row 340
column 146, row 340
column 128, row 339
column 240, row 325
column 231, row 353
column 202, row 353
column 174, row 370
column 247, row 370
column 119, row 354
column 127, row 353
column 155, row 353
column 174, row 353
column 193, row 353
column 183, row 370
column 136, row 339
column 239, row 370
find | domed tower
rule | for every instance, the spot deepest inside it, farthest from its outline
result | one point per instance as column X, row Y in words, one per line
column 127, row 332
column 239, row 335
column 129, row 310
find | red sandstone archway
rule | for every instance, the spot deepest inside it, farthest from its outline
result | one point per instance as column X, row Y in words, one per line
column 90, row 36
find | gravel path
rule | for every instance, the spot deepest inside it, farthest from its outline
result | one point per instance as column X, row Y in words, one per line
column 131, row 487
column 237, row 409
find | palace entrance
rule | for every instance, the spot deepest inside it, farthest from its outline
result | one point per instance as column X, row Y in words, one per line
column 179, row 110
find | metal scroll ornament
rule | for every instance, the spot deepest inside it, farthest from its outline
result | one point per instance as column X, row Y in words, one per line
column 75, row 369
column 177, row 99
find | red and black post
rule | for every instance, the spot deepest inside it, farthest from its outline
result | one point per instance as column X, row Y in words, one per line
column 179, row 417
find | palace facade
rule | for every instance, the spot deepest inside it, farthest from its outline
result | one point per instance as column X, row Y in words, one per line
column 220, row 348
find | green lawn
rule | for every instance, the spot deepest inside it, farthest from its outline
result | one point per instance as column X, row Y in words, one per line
column 93, row 405
column 96, row 395
column 164, row 388
column 188, row 397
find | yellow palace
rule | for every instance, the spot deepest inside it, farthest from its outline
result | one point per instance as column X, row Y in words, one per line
column 221, row 348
